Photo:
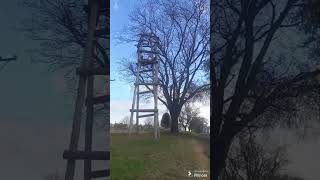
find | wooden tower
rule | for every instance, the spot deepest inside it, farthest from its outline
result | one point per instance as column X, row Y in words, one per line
column 97, row 45
column 147, row 78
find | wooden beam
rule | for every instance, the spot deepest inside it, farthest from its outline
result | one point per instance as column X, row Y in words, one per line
column 147, row 62
column 146, row 70
column 8, row 59
column 138, row 100
column 143, row 110
column 89, row 125
column 145, row 92
column 155, row 87
column 149, row 52
column 146, row 115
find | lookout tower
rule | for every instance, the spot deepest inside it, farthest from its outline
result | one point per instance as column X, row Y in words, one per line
column 146, row 81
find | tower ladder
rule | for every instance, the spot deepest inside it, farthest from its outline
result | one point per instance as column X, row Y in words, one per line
column 97, row 11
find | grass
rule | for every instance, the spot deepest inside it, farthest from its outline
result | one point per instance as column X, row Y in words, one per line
column 140, row 157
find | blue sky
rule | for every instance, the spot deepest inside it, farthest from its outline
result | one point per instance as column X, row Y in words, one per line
column 121, row 91
column 119, row 17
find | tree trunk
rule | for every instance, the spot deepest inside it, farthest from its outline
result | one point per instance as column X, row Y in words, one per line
column 220, row 150
column 174, row 113
column 174, row 123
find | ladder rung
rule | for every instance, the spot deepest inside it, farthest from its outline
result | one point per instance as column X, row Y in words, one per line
column 146, row 70
column 147, row 51
column 146, row 115
column 147, row 62
column 8, row 59
column 93, row 155
column 145, row 45
column 93, row 71
column 143, row 110
column 100, row 173
column 145, row 92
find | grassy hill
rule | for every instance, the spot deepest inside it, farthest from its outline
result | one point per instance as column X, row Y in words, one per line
column 140, row 157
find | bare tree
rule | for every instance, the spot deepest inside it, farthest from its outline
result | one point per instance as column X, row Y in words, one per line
column 311, row 26
column 251, row 160
column 148, row 123
column 197, row 124
column 254, row 84
column 60, row 29
column 125, row 120
column 59, row 26
column 165, row 120
column 183, row 29
column 187, row 115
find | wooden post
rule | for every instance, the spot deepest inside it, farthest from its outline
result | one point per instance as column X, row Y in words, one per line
column 138, row 87
column 155, row 89
column 89, row 125
column 134, row 99
column 132, row 107
column 137, row 113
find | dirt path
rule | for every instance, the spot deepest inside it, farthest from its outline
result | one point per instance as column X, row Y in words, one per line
column 201, row 157
column 202, row 160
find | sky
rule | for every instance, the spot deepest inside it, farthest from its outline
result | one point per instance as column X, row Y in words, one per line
column 122, row 91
